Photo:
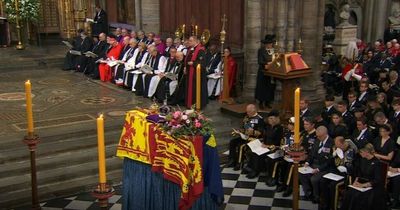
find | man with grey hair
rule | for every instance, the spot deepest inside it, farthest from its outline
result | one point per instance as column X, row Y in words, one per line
column 141, row 36
column 179, row 46
column 168, row 44
column 124, row 62
column 318, row 161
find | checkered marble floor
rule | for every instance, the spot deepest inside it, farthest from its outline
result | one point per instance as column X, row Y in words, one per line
column 240, row 194
column 243, row 193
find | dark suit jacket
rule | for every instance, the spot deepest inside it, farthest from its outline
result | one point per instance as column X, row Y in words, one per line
column 321, row 157
column 101, row 25
column 365, row 138
column 326, row 115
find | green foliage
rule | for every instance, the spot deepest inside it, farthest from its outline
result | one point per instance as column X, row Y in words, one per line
column 28, row 10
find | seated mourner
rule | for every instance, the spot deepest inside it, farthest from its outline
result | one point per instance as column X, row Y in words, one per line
column 272, row 139
column 368, row 175
column 319, row 161
column 253, row 126
column 342, row 161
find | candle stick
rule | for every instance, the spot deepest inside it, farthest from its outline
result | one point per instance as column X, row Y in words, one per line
column 101, row 150
column 198, row 87
column 29, row 112
column 196, row 30
column 297, row 116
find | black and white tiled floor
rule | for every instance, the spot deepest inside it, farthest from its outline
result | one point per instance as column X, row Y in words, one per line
column 243, row 193
column 240, row 194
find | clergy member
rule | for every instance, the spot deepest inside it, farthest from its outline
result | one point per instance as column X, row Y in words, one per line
column 120, row 68
column 112, row 54
column 157, row 64
column 196, row 55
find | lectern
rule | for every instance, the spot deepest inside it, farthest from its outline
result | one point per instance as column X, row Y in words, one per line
column 288, row 68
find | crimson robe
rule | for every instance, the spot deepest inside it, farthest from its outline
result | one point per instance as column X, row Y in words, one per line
column 232, row 69
column 104, row 69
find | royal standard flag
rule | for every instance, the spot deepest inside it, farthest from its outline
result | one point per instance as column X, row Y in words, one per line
column 134, row 141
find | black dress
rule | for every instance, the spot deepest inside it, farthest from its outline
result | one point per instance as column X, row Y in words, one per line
column 387, row 147
column 368, row 171
column 265, row 90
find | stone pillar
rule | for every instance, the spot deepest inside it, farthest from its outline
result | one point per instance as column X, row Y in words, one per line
column 311, row 32
column 150, row 17
column 138, row 14
column 291, row 26
column 381, row 17
column 368, row 20
column 281, row 24
column 252, row 39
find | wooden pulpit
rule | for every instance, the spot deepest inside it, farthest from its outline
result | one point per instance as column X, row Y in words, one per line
column 288, row 68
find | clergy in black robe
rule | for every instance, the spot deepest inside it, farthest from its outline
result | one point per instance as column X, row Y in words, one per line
column 157, row 63
column 265, row 89
column 88, row 64
column 367, row 173
column 167, row 85
column 82, row 43
column 100, row 24
column 178, row 96
column 131, row 72
column 196, row 56
column 127, row 64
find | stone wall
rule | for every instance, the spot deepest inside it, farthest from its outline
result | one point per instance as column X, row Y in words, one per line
column 150, row 15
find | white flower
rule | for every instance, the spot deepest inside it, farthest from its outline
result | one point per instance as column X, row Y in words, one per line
column 187, row 121
column 184, row 117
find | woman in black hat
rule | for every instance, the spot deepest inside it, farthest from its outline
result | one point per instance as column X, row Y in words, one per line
column 265, row 90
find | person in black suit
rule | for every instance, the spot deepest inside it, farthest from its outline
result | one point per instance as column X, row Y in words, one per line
column 304, row 112
column 348, row 117
column 394, row 118
column 81, row 43
column 363, row 96
column 329, row 109
column 100, row 24
column 88, row 64
column 385, row 62
column 353, row 103
column 319, row 159
column 362, row 135
column 337, row 127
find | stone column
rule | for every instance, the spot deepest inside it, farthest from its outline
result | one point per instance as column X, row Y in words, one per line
column 281, row 24
column 291, row 26
column 252, row 37
column 138, row 14
column 311, row 32
column 368, row 20
column 381, row 13
column 150, row 17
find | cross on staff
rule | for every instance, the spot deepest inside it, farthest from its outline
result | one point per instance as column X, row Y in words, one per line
column 224, row 20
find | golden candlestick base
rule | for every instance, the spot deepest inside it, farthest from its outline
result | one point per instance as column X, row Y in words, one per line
column 20, row 46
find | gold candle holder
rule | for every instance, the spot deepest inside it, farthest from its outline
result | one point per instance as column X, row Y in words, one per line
column 19, row 46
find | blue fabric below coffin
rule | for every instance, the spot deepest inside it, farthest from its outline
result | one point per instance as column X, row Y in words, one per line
column 144, row 189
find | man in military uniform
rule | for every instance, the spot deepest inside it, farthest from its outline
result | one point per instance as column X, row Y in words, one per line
column 272, row 139
column 307, row 139
column 319, row 159
column 343, row 156
column 253, row 127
